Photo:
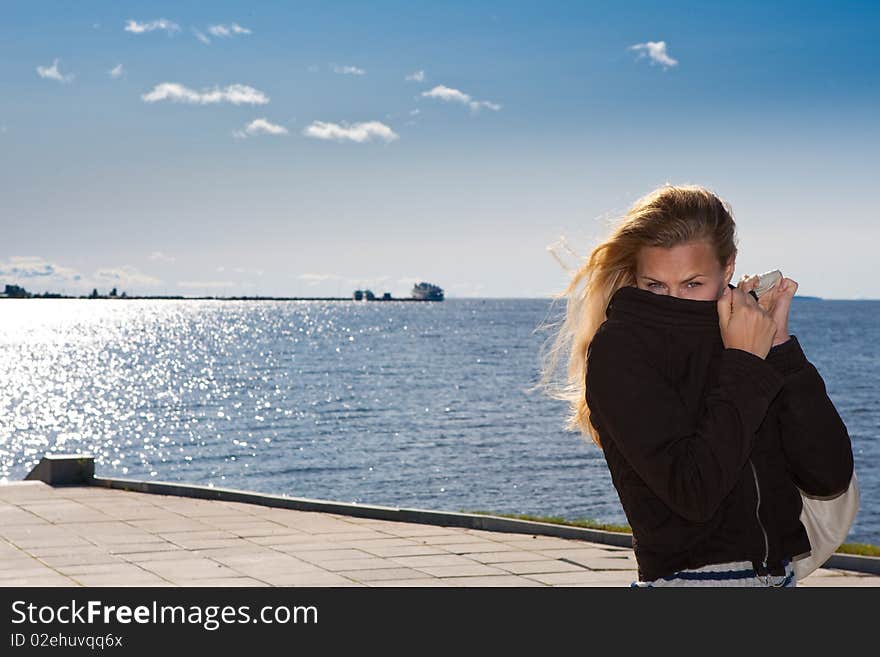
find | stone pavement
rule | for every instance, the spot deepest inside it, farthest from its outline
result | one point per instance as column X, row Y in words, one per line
column 95, row 536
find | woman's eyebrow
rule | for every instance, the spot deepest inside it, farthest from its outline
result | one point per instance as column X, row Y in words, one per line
column 689, row 278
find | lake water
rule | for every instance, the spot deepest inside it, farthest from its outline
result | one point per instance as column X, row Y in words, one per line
column 398, row 404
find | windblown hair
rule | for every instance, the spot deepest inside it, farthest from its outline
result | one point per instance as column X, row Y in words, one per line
column 667, row 217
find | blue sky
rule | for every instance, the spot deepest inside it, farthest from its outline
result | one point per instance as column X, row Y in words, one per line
column 313, row 148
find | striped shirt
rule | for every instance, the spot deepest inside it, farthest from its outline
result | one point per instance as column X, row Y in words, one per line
column 731, row 573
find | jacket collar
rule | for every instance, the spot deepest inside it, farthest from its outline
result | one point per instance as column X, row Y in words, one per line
column 661, row 309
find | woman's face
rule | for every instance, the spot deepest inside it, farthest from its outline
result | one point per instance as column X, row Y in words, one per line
column 688, row 271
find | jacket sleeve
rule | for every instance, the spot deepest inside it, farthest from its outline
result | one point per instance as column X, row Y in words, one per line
column 815, row 440
column 690, row 463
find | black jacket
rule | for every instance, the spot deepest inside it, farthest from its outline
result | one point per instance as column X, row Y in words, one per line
column 706, row 444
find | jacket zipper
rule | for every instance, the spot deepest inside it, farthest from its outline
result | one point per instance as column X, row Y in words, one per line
column 758, row 515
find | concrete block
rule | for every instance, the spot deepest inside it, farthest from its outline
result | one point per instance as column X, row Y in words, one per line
column 64, row 470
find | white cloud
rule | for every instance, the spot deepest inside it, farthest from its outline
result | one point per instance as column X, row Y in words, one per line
column 418, row 76
column 52, row 72
column 446, row 93
column 357, row 132
column 21, row 268
column 124, row 275
column 348, row 70
column 161, row 24
column 656, row 50
column 161, row 257
column 485, row 103
column 201, row 36
column 228, row 30
column 414, row 112
column 36, row 272
column 237, row 94
column 116, row 72
column 260, row 127
column 449, row 94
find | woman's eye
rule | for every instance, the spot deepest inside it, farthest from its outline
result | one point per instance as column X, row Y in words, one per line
column 694, row 283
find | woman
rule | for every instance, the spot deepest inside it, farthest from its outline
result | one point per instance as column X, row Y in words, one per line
column 708, row 412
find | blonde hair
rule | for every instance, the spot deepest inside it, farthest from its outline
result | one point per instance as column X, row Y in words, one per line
column 668, row 216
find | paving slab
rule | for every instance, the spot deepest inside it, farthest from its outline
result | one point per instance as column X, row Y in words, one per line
column 96, row 536
column 404, row 550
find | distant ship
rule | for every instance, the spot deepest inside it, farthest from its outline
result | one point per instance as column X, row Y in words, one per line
column 427, row 292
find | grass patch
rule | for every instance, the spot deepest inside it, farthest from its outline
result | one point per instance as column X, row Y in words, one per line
column 556, row 520
column 864, row 549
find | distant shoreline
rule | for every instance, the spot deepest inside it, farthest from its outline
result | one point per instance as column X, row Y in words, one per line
column 421, row 292
column 184, row 298
column 261, row 298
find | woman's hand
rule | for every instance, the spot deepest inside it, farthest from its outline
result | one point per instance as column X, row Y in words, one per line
column 776, row 302
column 744, row 323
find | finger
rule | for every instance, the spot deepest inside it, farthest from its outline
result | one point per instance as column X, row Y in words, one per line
column 744, row 282
column 747, row 283
column 787, row 287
